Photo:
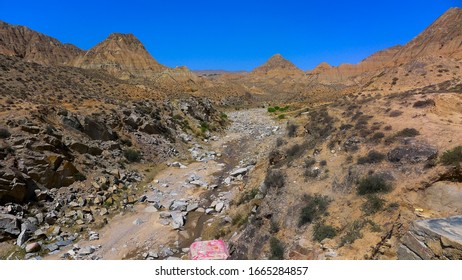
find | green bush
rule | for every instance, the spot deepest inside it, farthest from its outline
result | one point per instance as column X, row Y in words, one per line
column 372, row 157
column 452, row 157
column 132, row 155
column 315, row 207
column 4, row 133
column 373, row 184
column 353, row 233
column 281, row 116
column 223, row 116
column 276, row 249
column 271, row 110
column 204, row 126
column 408, row 132
column 372, row 205
column 274, row 179
column 322, row 231
column 377, row 136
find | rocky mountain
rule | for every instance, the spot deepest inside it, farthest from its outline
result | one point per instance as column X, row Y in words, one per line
column 121, row 55
column 443, row 38
column 277, row 65
column 33, row 46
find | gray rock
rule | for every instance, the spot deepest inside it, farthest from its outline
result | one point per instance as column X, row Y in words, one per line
column 192, row 207
column 165, row 215
column 219, row 206
column 177, row 220
column 179, row 205
column 240, row 171
column 209, row 211
column 9, row 226
column 22, row 238
column 138, row 222
column 51, row 247
column 86, row 251
column 413, row 152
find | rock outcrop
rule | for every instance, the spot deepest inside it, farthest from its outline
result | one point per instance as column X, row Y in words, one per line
column 433, row 239
column 33, row 46
column 277, row 65
column 122, row 55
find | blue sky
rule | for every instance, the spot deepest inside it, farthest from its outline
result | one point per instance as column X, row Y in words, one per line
column 235, row 35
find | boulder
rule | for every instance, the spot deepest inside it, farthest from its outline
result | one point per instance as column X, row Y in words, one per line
column 239, row 171
column 97, row 130
column 413, row 152
column 9, row 226
column 177, row 220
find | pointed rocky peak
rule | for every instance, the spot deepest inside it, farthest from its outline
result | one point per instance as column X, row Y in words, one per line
column 122, row 55
column 277, row 64
column 32, row 46
column 322, row 67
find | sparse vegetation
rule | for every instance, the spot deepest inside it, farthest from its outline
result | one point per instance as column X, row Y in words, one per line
column 132, row 155
column 373, row 204
column 452, row 157
column 274, row 179
column 276, row 249
column 424, row 103
column 372, row 157
column 247, row 196
column 395, row 113
column 292, row 130
column 4, row 133
column 322, row 231
column 315, row 207
column 373, row 184
column 407, row 132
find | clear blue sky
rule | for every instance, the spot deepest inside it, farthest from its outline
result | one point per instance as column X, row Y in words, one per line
column 235, row 35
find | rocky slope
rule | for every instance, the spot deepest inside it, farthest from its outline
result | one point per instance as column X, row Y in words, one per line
column 121, row 55
column 33, row 46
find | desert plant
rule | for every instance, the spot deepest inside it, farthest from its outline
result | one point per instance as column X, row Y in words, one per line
column 309, row 162
column 322, row 231
column 407, row 132
column 315, row 207
column 280, row 142
column 395, row 113
column 373, row 184
column 353, row 233
column 132, row 155
column 372, row 157
column 79, row 177
column 377, row 136
column 424, row 103
column 452, row 157
column 271, row 110
column 372, row 205
column 276, row 249
column 4, row 133
column 281, row 116
column 292, row 130
column 274, row 179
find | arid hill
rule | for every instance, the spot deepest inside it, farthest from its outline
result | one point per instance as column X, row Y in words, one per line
column 33, row 46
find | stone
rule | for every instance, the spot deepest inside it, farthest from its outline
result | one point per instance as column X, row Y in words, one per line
column 227, row 180
column 177, row 220
column 219, row 206
column 150, row 209
column 22, row 238
column 192, row 207
column 9, row 226
column 209, row 211
column 237, row 172
column 51, row 247
column 86, row 251
column 138, row 222
column 33, row 247
column 413, row 152
column 179, row 205
column 165, row 215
